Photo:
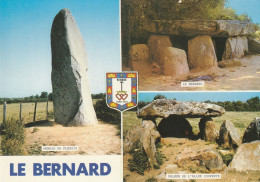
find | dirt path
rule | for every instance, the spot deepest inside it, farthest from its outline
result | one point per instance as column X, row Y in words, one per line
column 171, row 148
column 101, row 139
column 244, row 77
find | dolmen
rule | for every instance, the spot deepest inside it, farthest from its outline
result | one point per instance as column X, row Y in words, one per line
column 178, row 46
column 172, row 124
column 174, row 114
column 71, row 93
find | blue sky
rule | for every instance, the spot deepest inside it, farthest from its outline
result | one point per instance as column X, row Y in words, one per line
column 250, row 7
column 25, row 52
column 200, row 96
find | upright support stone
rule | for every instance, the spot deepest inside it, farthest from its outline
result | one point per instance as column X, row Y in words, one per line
column 235, row 47
column 156, row 44
column 208, row 129
column 148, row 139
column 71, row 93
column 175, row 62
column 201, row 52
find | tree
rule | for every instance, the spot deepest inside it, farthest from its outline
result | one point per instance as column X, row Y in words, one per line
column 159, row 96
column 254, row 104
column 44, row 95
column 50, row 97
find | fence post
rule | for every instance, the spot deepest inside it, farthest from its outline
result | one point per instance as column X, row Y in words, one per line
column 20, row 115
column 34, row 117
column 4, row 112
column 47, row 110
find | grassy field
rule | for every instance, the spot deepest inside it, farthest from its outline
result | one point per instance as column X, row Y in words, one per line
column 240, row 119
column 12, row 111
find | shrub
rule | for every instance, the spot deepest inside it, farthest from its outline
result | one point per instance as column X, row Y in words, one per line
column 107, row 114
column 227, row 158
column 12, row 137
column 140, row 160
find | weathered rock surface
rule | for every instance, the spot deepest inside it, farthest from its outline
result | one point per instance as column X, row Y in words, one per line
column 229, row 63
column 201, row 52
column 175, row 126
column 217, row 28
column 228, row 135
column 247, row 157
column 175, row 62
column 156, row 44
column 71, row 93
column 235, row 47
column 165, row 107
column 210, row 131
column 252, row 132
column 253, row 45
column 132, row 136
column 207, row 158
column 139, row 55
column 148, row 139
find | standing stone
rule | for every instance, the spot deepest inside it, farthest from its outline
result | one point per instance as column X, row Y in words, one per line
column 71, row 93
column 235, row 47
column 133, row 136
column 175, row 62
column 252, row 132
column 139, row 55
column 156, row 44
column 228, row 135
column 201, row 52
column 148, row 139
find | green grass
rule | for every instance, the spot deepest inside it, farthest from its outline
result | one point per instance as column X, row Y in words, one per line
column 12, row 133
column 12, row 111
column 240, row 119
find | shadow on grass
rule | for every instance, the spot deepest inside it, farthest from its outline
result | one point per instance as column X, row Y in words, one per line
column 41, row 123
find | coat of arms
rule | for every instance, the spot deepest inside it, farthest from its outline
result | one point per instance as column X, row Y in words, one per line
column 121, row 90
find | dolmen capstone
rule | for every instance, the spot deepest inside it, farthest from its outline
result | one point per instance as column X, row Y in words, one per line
column 71, row 93
column 174, row 114
column 206, row 44
column 174, row 123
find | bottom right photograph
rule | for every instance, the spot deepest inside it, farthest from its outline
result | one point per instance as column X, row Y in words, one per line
column 192, row 136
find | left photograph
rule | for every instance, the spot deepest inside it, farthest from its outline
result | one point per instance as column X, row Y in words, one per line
column 54, row 56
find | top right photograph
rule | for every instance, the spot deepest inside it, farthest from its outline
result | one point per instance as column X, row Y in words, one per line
column 192, row 44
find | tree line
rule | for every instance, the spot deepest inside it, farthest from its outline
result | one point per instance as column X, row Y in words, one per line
column 43, row 97
column 252, row 104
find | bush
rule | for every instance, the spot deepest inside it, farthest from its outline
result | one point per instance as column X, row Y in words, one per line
column 107, row 114
column 140, row 160
column 227, row 158
column 12, row 137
